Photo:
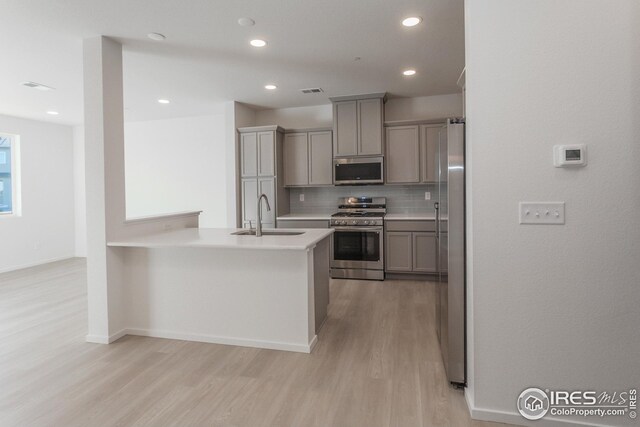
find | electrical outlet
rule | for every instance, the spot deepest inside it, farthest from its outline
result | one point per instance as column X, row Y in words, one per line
column 301, row 197
column 427, row 195
column 541, row 213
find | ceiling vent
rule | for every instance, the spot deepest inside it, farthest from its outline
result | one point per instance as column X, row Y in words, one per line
column 35, row 85
column 312, row 90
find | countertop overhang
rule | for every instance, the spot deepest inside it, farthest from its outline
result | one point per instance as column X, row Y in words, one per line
column 222, row 238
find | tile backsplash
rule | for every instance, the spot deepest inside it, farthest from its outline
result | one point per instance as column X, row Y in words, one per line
column 400, row 198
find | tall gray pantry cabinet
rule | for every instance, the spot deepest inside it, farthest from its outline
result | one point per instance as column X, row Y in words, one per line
column 261, row 172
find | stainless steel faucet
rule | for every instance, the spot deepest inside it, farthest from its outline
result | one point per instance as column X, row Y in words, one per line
column 259, row 224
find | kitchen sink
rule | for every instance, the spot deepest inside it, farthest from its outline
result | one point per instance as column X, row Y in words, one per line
column 267, row 233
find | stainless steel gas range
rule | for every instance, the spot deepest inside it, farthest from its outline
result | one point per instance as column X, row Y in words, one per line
column 358, row 241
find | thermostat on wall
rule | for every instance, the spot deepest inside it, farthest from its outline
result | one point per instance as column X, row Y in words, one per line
column 569, row 155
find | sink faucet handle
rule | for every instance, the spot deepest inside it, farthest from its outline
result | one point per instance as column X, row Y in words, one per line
column 250, row 224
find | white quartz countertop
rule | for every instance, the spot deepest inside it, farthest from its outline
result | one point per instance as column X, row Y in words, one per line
column 307, row 216
column 410, row 216
column 223, row 239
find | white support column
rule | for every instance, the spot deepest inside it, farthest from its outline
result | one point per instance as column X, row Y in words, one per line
column 105, row 185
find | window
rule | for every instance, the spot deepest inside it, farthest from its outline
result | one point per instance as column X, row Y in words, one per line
column 8, row 176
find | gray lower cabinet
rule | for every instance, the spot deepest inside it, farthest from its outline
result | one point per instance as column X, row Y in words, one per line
column 303, row 223
column 411, row 247
column 251, row 189
column 308, row 158
column 398, row 251
column 425, row 252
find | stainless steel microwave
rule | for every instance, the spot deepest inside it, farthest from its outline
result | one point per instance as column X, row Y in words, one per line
column 358, row 170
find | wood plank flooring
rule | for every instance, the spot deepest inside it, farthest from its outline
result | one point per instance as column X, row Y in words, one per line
column 377, row 363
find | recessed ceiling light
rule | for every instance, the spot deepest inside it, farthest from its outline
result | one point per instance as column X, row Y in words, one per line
column 34, row 85
column 411, row 21
column 163, row 101
column 246, row 22
column 271, row 87
column 156, row 36
column 52, row 113
column 258, row 43
column 409, row 72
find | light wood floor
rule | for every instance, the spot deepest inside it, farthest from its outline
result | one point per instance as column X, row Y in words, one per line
column 377, row 363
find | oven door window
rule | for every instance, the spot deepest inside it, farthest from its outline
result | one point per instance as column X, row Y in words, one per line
column 356, row 246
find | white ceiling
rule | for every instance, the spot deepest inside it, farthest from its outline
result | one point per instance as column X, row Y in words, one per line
column 207, row 59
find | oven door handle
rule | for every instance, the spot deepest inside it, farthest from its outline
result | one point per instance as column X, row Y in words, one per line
column 340, row 228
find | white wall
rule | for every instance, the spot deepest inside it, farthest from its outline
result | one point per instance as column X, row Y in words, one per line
column 177, row 165
column 553, row 306
column 297, row 118
column 45, row 230
column 423, row 107
column 236, row 115
column 79, row 190
column 419, row 108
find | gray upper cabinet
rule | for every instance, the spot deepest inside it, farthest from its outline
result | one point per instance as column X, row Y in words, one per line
column 403, row 155
column 266, row 154
column 296, row 154
column 370, row 122
column 320, row 158
column 358, row 125
column 308, row 159
column 429, row 152
column 345, row 128
column 249, row 154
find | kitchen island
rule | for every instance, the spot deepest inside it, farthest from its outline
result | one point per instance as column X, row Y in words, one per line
column 211, row 285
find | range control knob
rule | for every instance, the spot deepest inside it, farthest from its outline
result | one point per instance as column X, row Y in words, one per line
column 354, row 222
column 366, row 223
column 343, row 222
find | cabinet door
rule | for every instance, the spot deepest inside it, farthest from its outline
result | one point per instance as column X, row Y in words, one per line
column 429, row 152
column 267, row 186
column 370, row 118
column 249, row 196
column 320, row 158
column 345, row 128
column 424, row 252
column 403, row 155
column 266, row 154
column 296, row 163
column 248, row 154
column 398, row 254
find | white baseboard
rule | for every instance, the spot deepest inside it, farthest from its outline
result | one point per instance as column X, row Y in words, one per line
column 272, row 345
column 35, row 264
column 484, row 414
column 104, row 339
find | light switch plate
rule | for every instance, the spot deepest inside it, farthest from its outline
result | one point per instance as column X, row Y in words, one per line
column 545, row 213
column 427, row 195
column 301, row 197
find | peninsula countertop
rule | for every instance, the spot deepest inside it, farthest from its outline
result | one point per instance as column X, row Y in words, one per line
column 223, row 238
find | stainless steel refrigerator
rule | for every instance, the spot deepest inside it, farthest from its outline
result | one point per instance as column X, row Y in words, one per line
column 450, row 231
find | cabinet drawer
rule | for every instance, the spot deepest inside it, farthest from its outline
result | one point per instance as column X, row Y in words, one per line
column 393, row 225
